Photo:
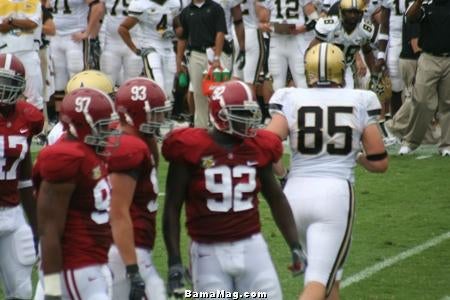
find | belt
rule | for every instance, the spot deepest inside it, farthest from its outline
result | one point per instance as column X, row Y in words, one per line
column 443, row 54
column 198, row 49
column 3, row 46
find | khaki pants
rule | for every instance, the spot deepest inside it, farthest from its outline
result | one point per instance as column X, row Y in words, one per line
column 431, row 92
column 197, row 64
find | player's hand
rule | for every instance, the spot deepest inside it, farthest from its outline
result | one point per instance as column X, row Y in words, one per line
column 240, row 59
column 175, row 282
column 215, row 64
column 137, row 285
column 299, row 261
column 265, row 27
column 79, row 36
column 48, row 297
column 146, row 51
column 380, row 65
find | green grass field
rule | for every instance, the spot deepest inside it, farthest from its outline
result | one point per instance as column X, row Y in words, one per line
column 396, row 212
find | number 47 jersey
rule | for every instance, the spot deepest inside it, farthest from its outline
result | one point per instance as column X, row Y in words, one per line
column 325, row 128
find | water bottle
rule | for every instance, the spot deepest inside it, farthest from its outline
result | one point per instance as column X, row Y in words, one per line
column 217, row 75
column 226, row 74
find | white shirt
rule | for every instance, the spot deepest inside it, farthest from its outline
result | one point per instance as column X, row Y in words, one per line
column 325, row 128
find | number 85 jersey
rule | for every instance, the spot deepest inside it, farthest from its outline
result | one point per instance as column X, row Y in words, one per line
column 325, row 128
column 222, row 194
column 87, row 234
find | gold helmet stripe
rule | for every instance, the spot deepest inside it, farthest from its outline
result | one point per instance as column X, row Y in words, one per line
column 323, row 62
column 355, row 4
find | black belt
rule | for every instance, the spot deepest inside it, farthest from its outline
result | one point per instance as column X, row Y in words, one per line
column 444, row 54
column 3, row 46
column 198, row 49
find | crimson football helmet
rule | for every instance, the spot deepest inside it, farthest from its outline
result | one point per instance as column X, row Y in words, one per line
column 89, row 115
column 142, row 104
column 12, row 79
column 234, row 110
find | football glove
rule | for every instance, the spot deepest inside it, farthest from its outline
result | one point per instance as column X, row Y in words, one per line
column 299, row 261
column 95, row 51
column 137, row 285
column 240, row 59
column 175, row 282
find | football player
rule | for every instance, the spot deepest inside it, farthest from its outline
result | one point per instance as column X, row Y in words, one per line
column 19, row 121
column 155, row 20
column 141, row 105
column 219, row 173
column 76, row 22
column 292, row 22
column 349, row 32
column 90, row 79
column 116, row 55
column 326, row 124
column 73, row 198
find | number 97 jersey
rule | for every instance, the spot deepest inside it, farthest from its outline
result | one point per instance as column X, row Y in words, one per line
column 87, row 234
column 325, row 128
column 222, row 194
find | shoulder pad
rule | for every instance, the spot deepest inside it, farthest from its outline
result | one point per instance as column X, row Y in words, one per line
column 60, row 162
column 33, row 116
column 270, row 146
column 186, row 145
column 130, row 154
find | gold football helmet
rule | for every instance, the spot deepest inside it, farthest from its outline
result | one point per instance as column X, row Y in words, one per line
column 91, row 79
column 324, row 65
column 359, row 5
column 351, row 11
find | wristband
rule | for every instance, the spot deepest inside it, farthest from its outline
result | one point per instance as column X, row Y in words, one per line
column 52, row 284
column 381, row 55
column 383, row 37
column 22, row 184
column 376, row 157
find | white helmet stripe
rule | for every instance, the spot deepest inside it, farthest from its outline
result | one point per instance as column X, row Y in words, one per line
column 8, row 60
column 323, row 62
column 247, row 89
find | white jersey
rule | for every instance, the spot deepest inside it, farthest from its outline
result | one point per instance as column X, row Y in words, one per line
column 286, row 11
column 116, row 12
column 249, row 14
column 330, row 29
column 155, row 21
column 17, row 39
column 227, row 5
column 325, row 128
column 70, row 16
column 398, row 9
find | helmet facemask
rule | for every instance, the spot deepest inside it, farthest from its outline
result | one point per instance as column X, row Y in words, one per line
column 11, row 87
column 104, row 134
column 157, row 120
column 243, row 120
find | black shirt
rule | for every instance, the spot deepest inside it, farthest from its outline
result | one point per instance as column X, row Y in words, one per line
column 409, row 31
column 434, row 27
column 201, row 24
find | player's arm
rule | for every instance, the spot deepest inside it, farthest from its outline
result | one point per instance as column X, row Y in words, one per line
column 123, row 186
column 369, row 58
column 221, row 29
column 236, row 13
column 383, row 35
column 309, row 10
column 374, row 158
column 263, row 14
column 124, row 32
column 282, row 214
column 176, row 189
column 25, row 187
column 181, row 47
column 96, row 12
column 415, row 12
column 24, row 24
column 52, row 205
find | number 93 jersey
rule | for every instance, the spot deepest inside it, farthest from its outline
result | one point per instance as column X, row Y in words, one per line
column 16, row 132
column 132, row 154
column 222, row 199
column 155, row 21
column 87, row 234
column 325, row 128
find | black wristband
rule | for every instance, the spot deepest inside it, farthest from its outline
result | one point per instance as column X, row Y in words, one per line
column 237, row 22
column 132, row 269
column 375, row 157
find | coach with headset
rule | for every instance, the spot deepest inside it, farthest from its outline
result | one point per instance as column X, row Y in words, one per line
column 432, row 87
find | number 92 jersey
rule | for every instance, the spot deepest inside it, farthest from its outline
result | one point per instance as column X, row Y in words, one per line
column 325, row 128
column 132, row 154
column 222, row 203
column 16, row 132
column 87, row 234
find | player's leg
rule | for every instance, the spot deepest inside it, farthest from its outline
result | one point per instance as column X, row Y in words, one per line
column 297, row 47
column 57, row 48
column 120, row 284
column 75, row 58
column 17, row 254
column 259, row 274
column 394, row 73
column 154, row 285
column 197, row 64
column 169, row 70
column 34, row 87
column 207, row 268
column 111, row 61
column 132, row 66
column 153, row 67
column 88, row 283
column 278, row 61
column 254, row 50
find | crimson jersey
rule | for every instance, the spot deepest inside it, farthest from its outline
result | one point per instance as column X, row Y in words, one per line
column 133, row 154
column 222, row 200
column 16, row 131
column 87, row 233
